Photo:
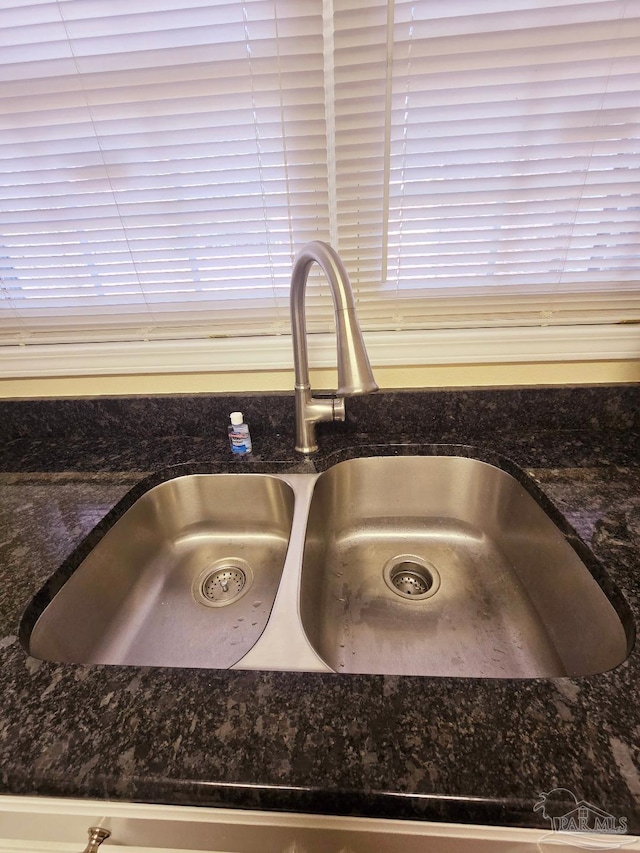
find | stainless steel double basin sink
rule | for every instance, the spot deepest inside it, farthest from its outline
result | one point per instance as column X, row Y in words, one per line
column 408, row 565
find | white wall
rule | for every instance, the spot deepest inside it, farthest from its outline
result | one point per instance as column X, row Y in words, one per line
column 434, row 376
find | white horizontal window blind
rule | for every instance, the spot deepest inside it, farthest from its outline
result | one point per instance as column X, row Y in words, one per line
column 160, row 164
column 475, row 164
column 488, row 173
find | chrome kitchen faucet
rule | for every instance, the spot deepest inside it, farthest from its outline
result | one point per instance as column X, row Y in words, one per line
column 354, row 371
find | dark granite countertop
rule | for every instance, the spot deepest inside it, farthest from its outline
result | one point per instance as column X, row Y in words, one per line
column 447, row 749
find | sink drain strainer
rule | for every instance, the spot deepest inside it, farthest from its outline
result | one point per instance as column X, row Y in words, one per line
column 411, row 577
column 223, row 582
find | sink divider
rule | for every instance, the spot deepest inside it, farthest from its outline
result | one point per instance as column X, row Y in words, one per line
column 283, row 645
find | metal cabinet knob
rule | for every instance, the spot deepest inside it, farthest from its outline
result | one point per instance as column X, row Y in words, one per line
column 96, row 836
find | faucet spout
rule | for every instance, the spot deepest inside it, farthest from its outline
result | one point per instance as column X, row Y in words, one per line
column 354, row 371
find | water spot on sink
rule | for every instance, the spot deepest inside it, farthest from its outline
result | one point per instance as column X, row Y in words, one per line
column 257, row 604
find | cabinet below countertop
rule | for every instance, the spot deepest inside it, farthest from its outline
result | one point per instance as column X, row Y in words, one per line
column 49, row 825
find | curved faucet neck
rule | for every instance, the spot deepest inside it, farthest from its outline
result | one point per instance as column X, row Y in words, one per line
column 333, row 268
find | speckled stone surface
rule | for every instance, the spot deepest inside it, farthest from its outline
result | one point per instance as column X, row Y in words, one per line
column 468, row 750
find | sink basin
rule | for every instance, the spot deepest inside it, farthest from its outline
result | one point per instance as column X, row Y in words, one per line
column 447, row 566
column 186, row 577
column 406, row 565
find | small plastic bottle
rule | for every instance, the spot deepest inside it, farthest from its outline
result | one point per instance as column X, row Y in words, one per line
column 239, row 437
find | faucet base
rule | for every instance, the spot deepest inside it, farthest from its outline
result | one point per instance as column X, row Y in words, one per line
column 310, row 411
